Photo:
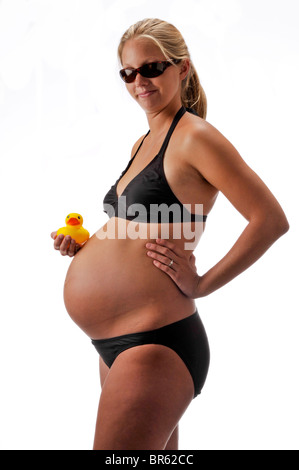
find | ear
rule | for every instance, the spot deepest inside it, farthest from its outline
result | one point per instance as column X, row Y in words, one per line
column 185, row 67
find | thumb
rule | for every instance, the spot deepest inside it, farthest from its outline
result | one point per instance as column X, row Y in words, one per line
column 192, row 259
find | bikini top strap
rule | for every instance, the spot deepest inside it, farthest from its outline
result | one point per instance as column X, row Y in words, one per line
column 176, row 119
column 140, row 145
column 192, row 111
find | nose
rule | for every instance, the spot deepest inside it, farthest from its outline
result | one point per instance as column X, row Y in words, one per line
column 140, row 80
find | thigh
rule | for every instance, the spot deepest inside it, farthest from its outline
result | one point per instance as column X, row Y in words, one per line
column 104, row 370
column 173, row 441
column 145, row 393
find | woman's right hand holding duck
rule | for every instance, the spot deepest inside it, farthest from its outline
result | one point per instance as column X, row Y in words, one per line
column 65, row 244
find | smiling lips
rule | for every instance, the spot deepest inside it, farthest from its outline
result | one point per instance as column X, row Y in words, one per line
column 146, row 94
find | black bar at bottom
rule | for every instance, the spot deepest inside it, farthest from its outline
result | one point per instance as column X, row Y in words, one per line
column 141, row 459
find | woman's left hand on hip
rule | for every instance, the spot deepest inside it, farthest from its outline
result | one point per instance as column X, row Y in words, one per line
column 178, row 264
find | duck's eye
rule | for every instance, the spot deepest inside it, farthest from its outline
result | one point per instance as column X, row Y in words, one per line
column 68, row 216
column 79, row 217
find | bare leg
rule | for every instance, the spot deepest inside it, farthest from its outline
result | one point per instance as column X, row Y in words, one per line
column 141, row 400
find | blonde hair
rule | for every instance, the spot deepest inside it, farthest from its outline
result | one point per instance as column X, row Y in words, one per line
column 172, row 44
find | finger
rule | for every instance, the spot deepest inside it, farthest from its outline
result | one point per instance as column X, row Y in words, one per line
column 192, row 259
column 171, row 272
column 72, row 248
column 65, row 245
column 54, row 234
column 163, row 250
column 58, row 241
column 163, row 259
column 171, row 246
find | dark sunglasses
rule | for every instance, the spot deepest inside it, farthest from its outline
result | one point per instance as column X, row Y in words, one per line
column 154, row 69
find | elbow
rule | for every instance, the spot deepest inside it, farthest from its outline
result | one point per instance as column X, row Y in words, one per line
column 284, row 226
column 271, row 223
column 276, row 225
column 281, row 224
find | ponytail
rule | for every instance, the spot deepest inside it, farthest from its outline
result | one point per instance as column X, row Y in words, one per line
column 193, row 95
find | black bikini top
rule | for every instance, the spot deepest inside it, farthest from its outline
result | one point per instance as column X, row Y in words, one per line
column 148, row 196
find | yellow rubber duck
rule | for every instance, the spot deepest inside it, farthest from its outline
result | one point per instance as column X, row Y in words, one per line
column 74, row 228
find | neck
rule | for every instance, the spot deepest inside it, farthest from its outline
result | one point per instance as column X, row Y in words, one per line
column 160, row 121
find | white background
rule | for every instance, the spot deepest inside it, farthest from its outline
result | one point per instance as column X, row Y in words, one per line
column 67, row 126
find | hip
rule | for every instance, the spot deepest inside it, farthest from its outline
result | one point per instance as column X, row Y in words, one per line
column 187, row 337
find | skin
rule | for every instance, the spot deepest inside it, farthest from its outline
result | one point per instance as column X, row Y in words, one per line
column 199, row 162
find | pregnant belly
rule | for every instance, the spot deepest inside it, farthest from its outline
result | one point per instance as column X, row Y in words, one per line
column 112, row 288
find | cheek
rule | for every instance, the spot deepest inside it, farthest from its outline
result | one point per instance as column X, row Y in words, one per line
column 130, row 88
column 167, row 86
column 131, row 91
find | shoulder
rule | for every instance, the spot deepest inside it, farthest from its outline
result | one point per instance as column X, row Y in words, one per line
column 136, row 145
column 218, row 161
column 201, row 135
column 207, row 150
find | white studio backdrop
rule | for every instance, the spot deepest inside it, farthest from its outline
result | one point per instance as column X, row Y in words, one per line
column 67, row 126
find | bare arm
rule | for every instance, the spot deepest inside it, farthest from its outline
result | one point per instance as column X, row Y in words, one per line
column 219, row 162
column 215, row 159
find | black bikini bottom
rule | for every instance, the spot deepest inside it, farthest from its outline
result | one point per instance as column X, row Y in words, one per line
column 186, row 337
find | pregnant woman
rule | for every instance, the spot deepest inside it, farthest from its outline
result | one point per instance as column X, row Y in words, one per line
column 132, row 286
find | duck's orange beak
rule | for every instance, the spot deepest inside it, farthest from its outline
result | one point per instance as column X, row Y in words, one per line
column 73, row 221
